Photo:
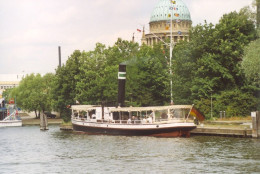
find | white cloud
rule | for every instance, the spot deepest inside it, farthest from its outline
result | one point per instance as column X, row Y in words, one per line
column 212, row 11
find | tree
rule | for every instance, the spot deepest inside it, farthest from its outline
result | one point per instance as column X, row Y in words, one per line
column 251, row 63
column 148, row 77
column 32, row 94
column 257, row 2
column 235, row 102
column 97, row 78
column 210, row 62
column 64, row 85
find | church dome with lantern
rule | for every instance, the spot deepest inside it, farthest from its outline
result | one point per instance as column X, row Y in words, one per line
column 168, row 17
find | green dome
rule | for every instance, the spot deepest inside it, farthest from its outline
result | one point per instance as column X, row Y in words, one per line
column 166, row 7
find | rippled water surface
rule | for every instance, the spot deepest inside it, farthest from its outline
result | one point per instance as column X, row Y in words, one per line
column 29, row 150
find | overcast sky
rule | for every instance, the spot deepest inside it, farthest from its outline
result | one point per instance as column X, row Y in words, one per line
column 32, row 30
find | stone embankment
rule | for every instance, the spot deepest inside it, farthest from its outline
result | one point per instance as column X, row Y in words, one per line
column 225, row 128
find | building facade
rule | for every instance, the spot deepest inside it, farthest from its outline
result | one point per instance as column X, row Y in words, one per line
column 168, row 17
column 8, row 81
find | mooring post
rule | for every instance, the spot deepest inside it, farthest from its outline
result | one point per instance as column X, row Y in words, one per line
column 255, row 124
column 43, row 122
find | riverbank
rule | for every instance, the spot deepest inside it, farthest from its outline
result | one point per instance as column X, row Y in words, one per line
column 237, row 128
column 29, row 119
column 34, row 121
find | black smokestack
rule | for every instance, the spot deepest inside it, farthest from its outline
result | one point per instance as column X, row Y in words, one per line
column 121, row 84
column 59, row 57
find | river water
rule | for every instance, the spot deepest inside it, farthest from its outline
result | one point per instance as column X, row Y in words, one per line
column 29, row 150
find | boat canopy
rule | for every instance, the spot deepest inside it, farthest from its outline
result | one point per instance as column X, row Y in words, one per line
column 84, row 107
column 151, row 108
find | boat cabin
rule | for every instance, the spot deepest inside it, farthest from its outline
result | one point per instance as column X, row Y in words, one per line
column 133, row 115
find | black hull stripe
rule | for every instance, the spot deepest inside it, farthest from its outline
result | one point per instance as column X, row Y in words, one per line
column 130, row 132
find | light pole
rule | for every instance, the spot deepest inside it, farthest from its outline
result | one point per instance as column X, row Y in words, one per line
column 211, row 104
column 171, row 48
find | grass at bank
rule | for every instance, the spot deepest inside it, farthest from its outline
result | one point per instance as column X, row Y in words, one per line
column 66, row 123
column 34, row 121
column 248, row 118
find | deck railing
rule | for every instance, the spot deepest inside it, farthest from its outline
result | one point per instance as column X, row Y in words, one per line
column 132, row 121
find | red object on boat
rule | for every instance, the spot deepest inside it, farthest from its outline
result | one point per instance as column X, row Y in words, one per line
column 11, row 101
column 196, row 113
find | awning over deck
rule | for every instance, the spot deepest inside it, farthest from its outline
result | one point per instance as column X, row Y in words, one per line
column 84, row 107
column 151, row 108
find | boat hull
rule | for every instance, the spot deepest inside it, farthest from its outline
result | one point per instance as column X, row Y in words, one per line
column 157, row 130
column 13, row 123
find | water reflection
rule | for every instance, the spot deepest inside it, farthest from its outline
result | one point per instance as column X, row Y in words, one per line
column 29, row 150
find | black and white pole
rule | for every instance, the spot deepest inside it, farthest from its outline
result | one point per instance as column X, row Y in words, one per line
column 121, row 84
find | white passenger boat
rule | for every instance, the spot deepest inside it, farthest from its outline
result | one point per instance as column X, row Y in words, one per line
column 159, row 121
column 11, row 121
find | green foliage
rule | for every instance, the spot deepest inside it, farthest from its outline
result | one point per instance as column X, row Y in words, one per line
column 33, row 93
column 6, row 94
column 235, row 103
column 64, row 85
column 204, row 106
column 148, row 77
column 257, row 3
column 251, row 63
column 97, row 78
column 211, row 63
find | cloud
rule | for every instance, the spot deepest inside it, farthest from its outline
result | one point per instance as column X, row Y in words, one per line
column 31, row 30
column 212, row 11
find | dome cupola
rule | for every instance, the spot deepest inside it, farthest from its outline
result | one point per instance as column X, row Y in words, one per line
column 176, row 8
column 170, row 19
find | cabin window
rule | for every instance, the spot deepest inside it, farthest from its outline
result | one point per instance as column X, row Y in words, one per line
column 115, row 115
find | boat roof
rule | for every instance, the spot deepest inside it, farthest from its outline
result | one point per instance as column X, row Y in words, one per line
column 84, row 107
column 130, row 109
column 150, row 108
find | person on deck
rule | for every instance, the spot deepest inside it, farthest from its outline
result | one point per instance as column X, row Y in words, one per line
column 150, row 120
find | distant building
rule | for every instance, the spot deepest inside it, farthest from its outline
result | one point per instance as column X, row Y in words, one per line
column 160, row 22
column 8, row 81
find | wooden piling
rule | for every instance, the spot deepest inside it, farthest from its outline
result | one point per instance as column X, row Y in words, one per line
column 43, row 122
column 255, row 124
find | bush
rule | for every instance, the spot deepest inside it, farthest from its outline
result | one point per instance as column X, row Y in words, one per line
column 235, row 103
column 66, row 115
